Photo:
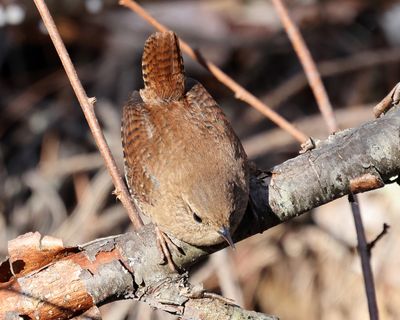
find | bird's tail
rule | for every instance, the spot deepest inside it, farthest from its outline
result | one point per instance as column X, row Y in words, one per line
column 162, row 68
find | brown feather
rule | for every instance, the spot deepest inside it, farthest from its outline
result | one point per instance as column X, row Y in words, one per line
column 182, row 157
column 162, row 68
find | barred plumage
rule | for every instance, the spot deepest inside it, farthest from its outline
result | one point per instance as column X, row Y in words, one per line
column 185, row 166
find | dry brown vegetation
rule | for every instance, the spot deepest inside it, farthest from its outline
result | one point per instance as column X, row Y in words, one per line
column 54, row 181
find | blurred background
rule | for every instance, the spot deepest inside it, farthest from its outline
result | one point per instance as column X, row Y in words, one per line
column 53, row 179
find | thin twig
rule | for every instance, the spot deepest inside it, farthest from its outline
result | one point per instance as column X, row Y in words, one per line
column 88, row 110
column 238, row 90
column 329, row 68
column 308, row 64
column 325, row 107
column 364, row 253
column 378, row 237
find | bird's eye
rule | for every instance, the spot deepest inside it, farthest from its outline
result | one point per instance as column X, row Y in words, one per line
column 196, row 218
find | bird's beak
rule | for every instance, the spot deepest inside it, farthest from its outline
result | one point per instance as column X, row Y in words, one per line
column 224, row 232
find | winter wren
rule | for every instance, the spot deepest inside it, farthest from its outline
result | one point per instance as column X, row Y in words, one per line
column 184, row 165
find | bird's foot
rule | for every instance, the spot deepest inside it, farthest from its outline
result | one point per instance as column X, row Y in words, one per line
column 162, row 244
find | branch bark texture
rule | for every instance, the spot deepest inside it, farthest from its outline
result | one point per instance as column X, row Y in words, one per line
column 358, row 160
column 54, row 282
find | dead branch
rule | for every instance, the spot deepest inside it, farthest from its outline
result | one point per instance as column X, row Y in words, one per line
column 324, row 105
column 309, row 66
column 87, row 106
column 329, row 68
column 365, row 259
column 71, row 280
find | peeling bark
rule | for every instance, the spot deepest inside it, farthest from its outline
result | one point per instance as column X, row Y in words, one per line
column 54, row 282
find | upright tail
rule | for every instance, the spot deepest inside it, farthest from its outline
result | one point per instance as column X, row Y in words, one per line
column 162, row 68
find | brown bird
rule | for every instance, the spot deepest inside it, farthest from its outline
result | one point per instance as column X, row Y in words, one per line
column 184, row 165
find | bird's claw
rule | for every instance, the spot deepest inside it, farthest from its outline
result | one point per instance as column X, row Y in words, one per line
column 162, row 244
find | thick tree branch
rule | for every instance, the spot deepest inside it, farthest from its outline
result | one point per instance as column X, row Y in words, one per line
column 70, row 280
column 115, row 268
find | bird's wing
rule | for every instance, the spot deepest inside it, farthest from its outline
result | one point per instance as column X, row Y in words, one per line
column 135, row 131
column 209, row 114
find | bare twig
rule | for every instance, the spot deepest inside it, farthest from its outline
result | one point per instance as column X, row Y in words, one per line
column 378, row 237
column 88, row 110
column 325, row 107
column 20, row 105
column 388, row 102
column 308, row 64
column 238, row 90
column 86, row 211
column 272, row 140
column 329, row 68
column 72, row 165
column 364, row 252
